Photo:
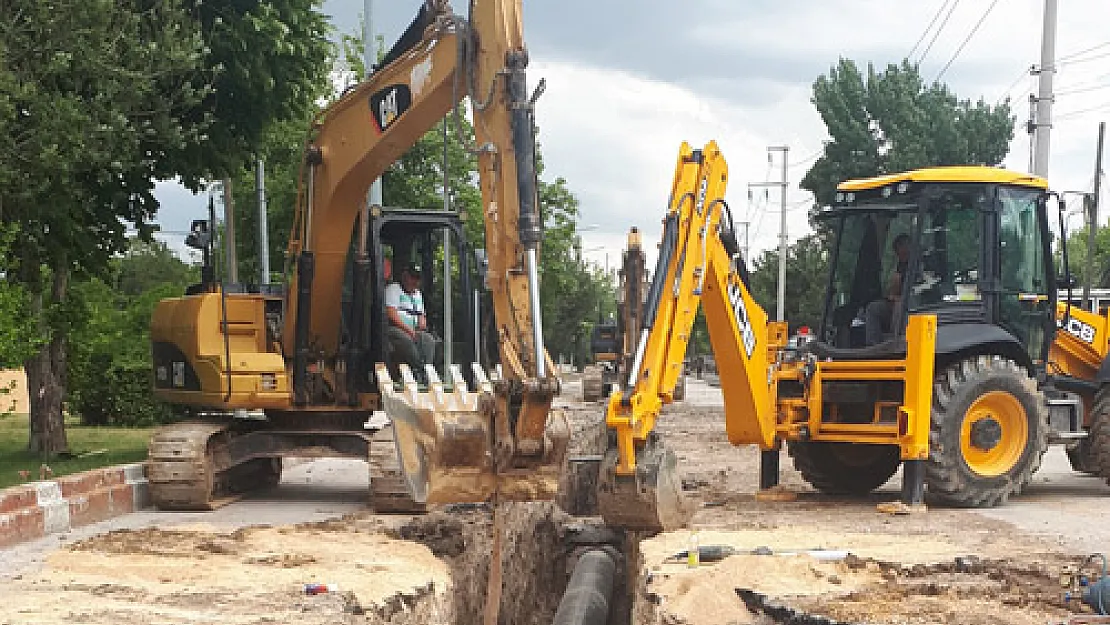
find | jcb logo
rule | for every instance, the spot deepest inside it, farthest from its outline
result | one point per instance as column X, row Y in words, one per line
column 1082, row 331
column 743, row 322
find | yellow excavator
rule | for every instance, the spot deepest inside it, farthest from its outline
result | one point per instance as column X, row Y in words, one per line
column 303, row 373
column 932, row 355
column 613, row 342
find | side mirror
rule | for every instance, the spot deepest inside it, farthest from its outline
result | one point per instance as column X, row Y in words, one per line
column 199, row 235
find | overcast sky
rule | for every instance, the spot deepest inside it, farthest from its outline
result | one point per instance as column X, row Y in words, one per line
column 628, row 80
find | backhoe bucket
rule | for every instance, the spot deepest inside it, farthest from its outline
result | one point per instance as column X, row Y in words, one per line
column 651, row 500
column 445, row 442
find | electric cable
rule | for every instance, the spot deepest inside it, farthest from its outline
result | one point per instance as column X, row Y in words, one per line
column 940, row 28
column 971, row 34
column 927, row 28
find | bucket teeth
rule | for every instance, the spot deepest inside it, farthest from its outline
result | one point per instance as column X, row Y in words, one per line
column 445, row 440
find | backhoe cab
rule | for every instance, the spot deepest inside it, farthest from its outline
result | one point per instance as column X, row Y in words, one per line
column 939, row 313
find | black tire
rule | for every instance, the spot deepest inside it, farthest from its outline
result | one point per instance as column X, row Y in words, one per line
column 1081, row 457
column 844, row 468
column 988, row 389
column 1099, row 437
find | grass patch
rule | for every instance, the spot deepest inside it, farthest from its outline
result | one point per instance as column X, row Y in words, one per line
column 91, row 447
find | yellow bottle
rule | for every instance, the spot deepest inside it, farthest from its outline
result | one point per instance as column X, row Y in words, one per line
column 693, row 554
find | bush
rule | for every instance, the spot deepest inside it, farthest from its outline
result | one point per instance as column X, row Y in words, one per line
column 119, row 394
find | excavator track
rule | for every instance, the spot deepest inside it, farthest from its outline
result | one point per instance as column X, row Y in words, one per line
column 389, row 492
column 188, row 468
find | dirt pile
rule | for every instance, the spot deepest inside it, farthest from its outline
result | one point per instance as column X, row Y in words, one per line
column 253, row 575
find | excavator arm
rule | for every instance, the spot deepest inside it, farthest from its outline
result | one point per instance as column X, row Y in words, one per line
column 698, row 262
column 456, row 444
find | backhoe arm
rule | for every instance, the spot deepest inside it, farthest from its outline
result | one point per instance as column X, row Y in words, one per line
column 446, row 57
column 698, row 259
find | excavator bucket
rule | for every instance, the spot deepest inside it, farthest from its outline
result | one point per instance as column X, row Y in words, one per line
column 651, row 500
column 446, row 443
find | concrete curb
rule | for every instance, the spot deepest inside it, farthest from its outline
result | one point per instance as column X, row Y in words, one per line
column 54, row 506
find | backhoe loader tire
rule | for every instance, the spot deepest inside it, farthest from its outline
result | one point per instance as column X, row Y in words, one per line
column 1099, row 437
column 389, row 492
column 988, row 432
column 679, row 393
column 1081, row 457
column 844, row 468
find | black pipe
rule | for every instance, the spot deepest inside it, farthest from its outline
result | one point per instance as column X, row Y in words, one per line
column 589, row 591
column 306, row 268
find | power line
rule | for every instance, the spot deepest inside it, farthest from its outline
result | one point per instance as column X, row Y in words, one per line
column 971, row 34
column 1076, row 90
column 1025, row 72
column 1083, row 60
column 809, row 159
column 1084, row 51
column 937, row 34
column 1069, row 114
column 928, row 28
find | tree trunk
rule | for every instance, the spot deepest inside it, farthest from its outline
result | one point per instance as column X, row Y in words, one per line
column 46, row 376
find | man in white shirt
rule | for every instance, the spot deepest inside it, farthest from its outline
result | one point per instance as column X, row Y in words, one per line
column 408, row 326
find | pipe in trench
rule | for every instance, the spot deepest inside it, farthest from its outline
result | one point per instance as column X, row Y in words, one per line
column 589, row 591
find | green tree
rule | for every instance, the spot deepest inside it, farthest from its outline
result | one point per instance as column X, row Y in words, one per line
column 806, row 280
column 890, row 121
column 110, row 369
column 99, row 99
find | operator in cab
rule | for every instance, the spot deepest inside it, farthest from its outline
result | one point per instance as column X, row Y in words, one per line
column 408, row 334
column 881, row 313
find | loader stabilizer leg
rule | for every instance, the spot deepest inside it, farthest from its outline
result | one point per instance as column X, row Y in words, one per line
column 913, row 482
column 769, row 468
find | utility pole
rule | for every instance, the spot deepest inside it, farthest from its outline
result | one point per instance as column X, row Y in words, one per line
column 1046, row 71
column 1092, row 224
column 783, row 185
column 229, row 234
column 263, row 227
column 369, row 59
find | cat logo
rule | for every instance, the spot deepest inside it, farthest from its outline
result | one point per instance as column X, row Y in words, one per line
column 389, row 104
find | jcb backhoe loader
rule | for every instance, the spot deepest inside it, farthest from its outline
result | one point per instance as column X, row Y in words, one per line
column 939, row 315
column 315, row 363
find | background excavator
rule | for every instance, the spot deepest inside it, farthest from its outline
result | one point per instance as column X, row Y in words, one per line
column 613, row 342
column 954, row 386
column 300, row 374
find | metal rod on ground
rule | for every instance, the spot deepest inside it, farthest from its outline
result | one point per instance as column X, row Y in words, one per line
column 589, row 591
column 263, row 227
column 1047, row 70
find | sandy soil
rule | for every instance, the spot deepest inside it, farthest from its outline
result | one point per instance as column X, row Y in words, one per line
column 902, row 569
column 252, row 575
column 942, row 566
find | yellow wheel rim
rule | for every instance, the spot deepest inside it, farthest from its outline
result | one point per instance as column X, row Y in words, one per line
column 994, row 434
